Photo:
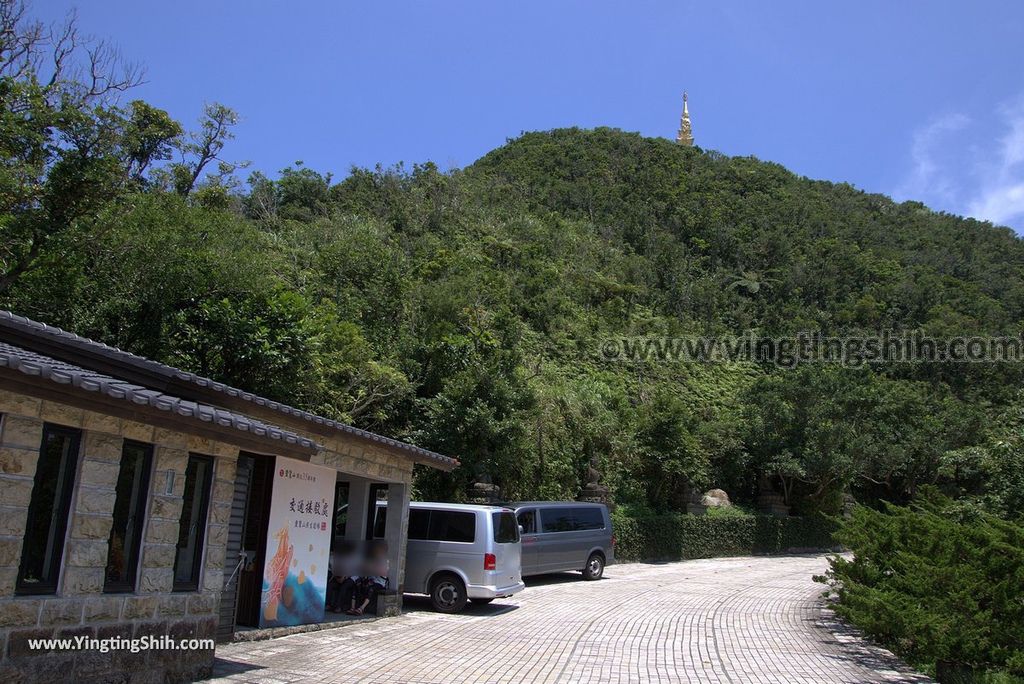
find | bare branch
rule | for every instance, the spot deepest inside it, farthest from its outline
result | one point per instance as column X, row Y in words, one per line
column 59, row 56
column 64, row 46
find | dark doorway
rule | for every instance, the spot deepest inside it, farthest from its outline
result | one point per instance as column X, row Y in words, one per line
column 234, row 560
column 253, row 537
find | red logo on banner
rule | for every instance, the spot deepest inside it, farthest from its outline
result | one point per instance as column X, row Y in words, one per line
column 281, row 473
column 323, row 526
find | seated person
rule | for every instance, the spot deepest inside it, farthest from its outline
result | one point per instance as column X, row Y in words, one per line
column 374, row 579
column 341, row 585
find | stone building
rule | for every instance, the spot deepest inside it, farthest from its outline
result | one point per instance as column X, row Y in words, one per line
column 135, row 500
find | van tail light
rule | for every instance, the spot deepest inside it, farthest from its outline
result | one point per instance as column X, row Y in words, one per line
column 613, row 541
column 490, row 562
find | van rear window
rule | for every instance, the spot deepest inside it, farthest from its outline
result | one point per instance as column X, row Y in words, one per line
column 506, row 529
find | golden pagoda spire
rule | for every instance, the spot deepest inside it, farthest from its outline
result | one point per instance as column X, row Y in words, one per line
column 685, row 136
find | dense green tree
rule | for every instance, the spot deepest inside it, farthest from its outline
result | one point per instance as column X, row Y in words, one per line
column 466, row 310
column 822, row 430
column 935, row 582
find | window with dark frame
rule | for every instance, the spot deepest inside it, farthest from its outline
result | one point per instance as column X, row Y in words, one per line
column 48, row 510
column 340, row 521
column 129, row 513
column 380, row 522
column 188, row 557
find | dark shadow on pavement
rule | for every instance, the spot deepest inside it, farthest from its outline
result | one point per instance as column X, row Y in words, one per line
column 846, row 644
column 417, row 603
column 790, row 554
column 222, row 667
column 553, row 578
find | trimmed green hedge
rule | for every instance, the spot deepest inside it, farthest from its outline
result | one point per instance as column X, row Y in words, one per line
column 678, row 536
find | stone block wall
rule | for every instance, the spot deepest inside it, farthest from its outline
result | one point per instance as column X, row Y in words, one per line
column 79, row 607
column 350, row 456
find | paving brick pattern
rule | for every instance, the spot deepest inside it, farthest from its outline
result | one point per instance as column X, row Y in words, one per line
column 733, row 621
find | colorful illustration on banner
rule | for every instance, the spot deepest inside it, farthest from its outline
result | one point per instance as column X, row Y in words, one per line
column 278, row 573
column 294, row 579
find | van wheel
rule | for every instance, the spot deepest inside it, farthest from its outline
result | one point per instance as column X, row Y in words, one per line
column 448, row 594
column 594, row 568
column 482, row 601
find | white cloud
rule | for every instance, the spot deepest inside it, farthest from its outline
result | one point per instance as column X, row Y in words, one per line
column 930, row 178
column 1001, row 197
column 983, row 179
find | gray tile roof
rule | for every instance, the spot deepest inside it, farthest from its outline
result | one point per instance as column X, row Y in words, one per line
column 25, row 326
column 61, row 373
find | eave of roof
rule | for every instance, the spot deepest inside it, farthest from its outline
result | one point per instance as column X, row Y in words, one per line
column 138, row 368
column 61, row 373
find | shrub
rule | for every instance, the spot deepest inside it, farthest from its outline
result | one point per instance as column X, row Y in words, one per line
column 733, row 511
column 935, row 582
column 678, row 536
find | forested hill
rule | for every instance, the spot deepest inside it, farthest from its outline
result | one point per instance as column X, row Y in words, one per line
column 465, row 311
column 830, row 257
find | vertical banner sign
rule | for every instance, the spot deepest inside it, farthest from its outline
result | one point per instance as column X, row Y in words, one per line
column 298, row 544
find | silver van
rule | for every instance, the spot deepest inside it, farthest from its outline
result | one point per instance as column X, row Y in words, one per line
column 458, row 552
column 559, row 536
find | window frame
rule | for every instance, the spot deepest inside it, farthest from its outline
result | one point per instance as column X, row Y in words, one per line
column 60, row 512
column 132, row 560
column 193, row 584
column 380, row 522
column 336, row 514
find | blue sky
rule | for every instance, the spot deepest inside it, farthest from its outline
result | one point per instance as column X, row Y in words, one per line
column 916, row 99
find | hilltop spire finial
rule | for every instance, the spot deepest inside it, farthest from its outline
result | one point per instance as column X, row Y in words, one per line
column 685, row 136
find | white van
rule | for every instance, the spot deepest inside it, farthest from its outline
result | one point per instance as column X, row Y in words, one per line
column 459, row 552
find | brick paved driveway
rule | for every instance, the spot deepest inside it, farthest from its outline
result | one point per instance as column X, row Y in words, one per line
column 732, row 620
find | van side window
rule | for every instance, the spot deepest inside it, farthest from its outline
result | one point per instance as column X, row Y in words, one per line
column 454, row 526
column 557, row 520
column 588, row 518
column 418, row 521
column 528, row 521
